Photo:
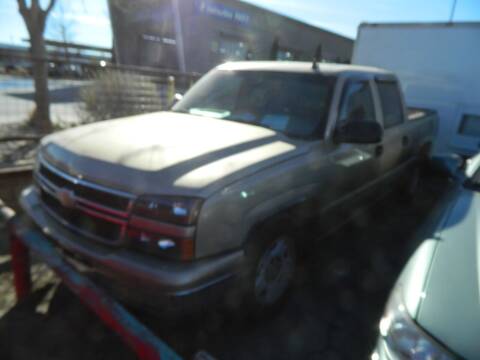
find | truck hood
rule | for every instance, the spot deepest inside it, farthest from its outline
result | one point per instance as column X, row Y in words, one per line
column 450, row 310
column 168, row 153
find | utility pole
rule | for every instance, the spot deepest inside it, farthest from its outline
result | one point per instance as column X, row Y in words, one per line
column 452, row 13
column 179, row 36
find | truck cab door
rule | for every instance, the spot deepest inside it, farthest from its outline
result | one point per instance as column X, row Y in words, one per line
column 353, row 165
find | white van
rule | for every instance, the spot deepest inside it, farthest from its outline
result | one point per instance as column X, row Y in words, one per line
column 438, row 65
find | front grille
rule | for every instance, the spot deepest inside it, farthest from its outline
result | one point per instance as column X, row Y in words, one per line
column 97, row 227
column 94, row 211
column 104, row 198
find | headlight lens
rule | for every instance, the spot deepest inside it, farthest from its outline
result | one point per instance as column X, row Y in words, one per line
column 169, row 209
column 150, row 227
column 404, row 338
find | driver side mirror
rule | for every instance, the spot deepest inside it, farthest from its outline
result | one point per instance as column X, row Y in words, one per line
column 359, row 132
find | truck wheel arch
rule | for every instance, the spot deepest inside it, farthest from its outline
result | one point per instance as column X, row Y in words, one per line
column 266, row 217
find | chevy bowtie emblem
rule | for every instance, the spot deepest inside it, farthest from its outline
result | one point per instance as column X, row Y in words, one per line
column 66, row 197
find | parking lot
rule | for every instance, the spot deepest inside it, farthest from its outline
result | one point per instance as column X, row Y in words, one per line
column 17, row 99
column 332, row 312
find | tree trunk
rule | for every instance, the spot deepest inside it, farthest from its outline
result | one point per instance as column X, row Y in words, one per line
column 35, row 18
column 41, row 116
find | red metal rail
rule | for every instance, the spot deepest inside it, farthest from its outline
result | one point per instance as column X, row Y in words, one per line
column 24, row 239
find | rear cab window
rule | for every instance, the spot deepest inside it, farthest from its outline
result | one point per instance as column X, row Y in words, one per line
column 390, row 103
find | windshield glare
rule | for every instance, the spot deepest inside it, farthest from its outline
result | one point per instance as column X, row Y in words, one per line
column 292, row 103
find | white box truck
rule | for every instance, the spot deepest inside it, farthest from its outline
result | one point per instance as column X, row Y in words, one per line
column 438, row 65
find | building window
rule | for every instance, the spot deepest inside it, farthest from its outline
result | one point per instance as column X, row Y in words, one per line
column 229, row 48
column 285, row 55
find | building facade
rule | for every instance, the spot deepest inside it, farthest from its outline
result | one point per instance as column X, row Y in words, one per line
column 196, row 35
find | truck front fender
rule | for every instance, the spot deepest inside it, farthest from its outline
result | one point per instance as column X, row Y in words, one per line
column 276, row 208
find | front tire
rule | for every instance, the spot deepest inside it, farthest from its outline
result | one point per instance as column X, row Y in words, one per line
column 272, row 270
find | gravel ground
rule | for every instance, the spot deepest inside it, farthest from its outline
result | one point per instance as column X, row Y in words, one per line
column 41, row 277
column 332, row 312
column 16, row 153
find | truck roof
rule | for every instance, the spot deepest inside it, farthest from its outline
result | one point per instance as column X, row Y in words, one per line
column 302, row 67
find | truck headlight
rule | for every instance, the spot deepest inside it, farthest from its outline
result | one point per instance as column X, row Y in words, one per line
column 404, row 338
column 153, row 226
column 169, row 209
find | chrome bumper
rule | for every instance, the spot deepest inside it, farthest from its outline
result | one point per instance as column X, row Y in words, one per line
column 133, row 269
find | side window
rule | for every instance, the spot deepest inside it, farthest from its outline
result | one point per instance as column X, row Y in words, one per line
column 392, row 107
column 470, row 125
column 357, row 103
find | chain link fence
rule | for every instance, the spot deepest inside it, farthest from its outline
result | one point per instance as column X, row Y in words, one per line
column 79, row 92
column 84, row 91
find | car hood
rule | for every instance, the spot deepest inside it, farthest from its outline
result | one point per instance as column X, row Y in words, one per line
column 450, row 309
column 168, row 153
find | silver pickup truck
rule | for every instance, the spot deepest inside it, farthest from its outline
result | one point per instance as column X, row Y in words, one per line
column 210, row 195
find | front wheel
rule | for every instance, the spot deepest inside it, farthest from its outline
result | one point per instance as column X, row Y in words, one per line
column 272, row 272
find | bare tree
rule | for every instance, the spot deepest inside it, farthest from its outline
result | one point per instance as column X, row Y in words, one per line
column 35, row 18
column 63, row 29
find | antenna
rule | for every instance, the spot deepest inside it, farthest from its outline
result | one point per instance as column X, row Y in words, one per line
column 317, row 57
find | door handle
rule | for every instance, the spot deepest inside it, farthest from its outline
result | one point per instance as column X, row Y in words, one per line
column 378, row 150
column 405, row 140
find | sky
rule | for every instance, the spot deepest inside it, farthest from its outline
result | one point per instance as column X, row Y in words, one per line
column 87, row 21
column 344, row 16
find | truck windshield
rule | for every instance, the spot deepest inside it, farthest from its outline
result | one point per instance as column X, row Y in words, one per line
column 293, row 103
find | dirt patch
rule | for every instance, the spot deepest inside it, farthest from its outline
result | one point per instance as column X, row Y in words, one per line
column 17, row 152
